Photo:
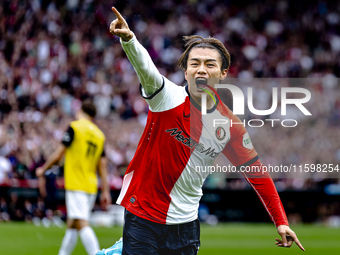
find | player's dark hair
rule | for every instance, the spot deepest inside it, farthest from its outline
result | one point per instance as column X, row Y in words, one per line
column 89, row 108
column 196, row 41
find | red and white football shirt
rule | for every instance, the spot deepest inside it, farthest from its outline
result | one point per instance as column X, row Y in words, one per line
column 161, row 183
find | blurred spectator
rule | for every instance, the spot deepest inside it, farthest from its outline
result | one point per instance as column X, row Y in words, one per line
column 15, row 209
column 28, row 210
column 4, row 215
column 5, row 167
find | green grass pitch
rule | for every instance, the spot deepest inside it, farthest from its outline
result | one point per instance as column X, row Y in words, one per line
column 236, row 238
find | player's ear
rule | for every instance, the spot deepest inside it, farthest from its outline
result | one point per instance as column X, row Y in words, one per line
column 186, row 75
column 223, row 74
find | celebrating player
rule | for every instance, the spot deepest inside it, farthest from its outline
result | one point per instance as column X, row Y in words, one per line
column 83, row 145
column 161, row 189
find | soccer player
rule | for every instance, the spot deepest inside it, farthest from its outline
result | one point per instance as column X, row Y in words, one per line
column 162, row 189
column 83, row 146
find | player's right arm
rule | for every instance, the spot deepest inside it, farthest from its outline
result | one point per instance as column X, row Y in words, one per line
column 58, row 153
column 56, row 156
column 146, row 70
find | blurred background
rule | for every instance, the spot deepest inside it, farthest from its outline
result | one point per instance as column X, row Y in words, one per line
column 55, row 54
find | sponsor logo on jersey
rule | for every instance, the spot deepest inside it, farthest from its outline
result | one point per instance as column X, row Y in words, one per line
column 188, row 141
column 66, row 137
column 247, row 142
column 209, row 152
column 220, row 133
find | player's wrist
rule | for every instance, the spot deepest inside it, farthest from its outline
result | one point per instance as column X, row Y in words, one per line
column 282, row 226
column 127, row 37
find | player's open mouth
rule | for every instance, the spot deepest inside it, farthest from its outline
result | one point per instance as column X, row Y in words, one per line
column 201, row 83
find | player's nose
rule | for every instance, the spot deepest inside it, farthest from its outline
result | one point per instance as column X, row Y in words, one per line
column 201, row 69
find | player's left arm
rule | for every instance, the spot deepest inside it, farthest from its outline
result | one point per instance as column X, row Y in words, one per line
column 264, row 187
column 241, row 153
column 105, row 196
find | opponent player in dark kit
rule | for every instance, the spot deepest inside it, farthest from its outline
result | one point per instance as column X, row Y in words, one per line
column 162, row 189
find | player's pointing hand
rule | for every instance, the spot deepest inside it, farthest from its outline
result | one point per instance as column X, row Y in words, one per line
column 288, row 237
column 119, row 27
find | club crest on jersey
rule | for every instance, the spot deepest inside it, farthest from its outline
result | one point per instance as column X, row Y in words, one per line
column 132, row 199
column 220, row 133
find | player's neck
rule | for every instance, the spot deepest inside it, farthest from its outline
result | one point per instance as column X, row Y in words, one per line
column 82, row 116
column 210, row 102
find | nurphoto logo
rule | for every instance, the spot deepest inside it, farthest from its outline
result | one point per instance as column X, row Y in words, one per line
column 239, row 109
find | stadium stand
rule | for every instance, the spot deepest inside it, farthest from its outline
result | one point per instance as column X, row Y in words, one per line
column 54, row 54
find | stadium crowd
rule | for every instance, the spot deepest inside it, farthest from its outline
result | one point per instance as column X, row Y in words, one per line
column 54, row 54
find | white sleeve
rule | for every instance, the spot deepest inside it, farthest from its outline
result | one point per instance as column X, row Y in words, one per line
column 167, row 97
column 146, row 70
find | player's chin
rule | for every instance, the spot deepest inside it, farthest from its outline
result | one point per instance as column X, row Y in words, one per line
column 199, row 90
column 198, row 93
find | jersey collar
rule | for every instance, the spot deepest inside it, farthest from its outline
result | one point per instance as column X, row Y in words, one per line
column 193, row 102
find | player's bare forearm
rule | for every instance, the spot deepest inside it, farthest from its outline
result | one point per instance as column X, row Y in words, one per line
column 146, row 70
column 102, row 170
column 105, row 197
column 55, row 156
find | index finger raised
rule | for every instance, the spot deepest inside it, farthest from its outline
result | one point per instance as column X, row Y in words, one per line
column 118, row 15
